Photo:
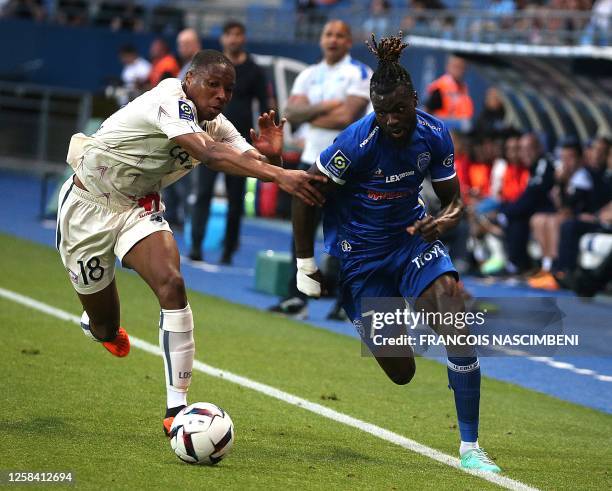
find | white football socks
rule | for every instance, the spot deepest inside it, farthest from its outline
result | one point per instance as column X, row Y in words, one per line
column 178, row 347
column 467, row 446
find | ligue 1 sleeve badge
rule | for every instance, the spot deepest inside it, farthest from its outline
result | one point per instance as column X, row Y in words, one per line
column 185, row 111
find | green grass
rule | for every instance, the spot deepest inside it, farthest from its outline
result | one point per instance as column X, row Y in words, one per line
column 69, row 405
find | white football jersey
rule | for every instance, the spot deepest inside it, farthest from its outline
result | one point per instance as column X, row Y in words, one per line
column 132, row 154
column 323, row 82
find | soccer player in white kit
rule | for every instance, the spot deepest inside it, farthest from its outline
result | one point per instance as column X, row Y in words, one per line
column 111, row 207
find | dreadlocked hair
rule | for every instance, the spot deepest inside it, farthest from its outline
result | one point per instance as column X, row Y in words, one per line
column 389, row 73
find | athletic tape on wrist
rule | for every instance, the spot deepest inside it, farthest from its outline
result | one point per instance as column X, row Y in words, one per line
column 307, row 265
column 307, row 285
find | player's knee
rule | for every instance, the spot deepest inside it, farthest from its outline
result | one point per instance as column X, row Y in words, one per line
column 171, row 291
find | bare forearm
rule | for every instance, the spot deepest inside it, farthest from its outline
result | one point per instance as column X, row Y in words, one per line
column 304, row 224
column 451, row 213
column 302, row 113
column 275, row 160
column 226, row 160
column 334, row 120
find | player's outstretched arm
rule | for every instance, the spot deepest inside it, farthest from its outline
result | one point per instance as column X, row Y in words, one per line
column 222, row 157
column 309, row 278
column 450, row 214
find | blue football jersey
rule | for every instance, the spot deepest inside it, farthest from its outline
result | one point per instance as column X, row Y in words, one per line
column 380, row 181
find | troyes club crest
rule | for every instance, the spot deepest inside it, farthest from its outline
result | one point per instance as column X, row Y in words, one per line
column 338, row 164
column 423, row 161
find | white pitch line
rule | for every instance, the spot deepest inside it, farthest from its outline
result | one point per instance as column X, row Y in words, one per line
column 268, row 390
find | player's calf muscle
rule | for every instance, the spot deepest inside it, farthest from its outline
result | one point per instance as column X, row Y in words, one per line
column 170, row 291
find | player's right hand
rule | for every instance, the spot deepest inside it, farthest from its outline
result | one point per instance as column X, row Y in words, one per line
column 309, row 279
column 301, row 184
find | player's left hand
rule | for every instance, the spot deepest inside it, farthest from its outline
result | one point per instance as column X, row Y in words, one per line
column 429, row 228
column 269, row 141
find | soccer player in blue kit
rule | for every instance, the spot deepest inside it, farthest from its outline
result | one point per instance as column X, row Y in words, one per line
column 375, row 222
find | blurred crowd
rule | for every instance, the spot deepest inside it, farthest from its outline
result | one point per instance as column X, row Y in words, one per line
column 528, row 209
column 536, row 214
column 128, row 15
column 534, row 21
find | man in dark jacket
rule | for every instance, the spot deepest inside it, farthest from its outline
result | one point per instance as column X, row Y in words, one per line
column 515, row 216
column 250, row 85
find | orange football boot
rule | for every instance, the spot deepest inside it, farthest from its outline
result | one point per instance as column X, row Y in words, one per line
column 168, row 424
column 120, row 346
column 169, row 419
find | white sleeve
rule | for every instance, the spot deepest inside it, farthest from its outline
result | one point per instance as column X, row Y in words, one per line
column 175, row 116
column 228, row 133
column 300, row 86
column 359, row 84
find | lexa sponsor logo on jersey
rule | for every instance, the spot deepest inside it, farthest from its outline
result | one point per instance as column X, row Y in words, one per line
column 370, row 136
column 434, row 252
column 399, row 177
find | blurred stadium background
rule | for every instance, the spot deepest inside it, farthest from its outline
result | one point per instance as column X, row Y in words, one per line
column 549, row 61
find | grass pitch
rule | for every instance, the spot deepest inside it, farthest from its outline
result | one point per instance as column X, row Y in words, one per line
column 70, row 406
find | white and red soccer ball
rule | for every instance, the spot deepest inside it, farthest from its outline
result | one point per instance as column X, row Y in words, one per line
column 202, row 433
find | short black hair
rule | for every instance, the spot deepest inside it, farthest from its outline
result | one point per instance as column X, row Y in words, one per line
column 389, row 74
column 572, row 142
column 233, row 24
column 206, row 57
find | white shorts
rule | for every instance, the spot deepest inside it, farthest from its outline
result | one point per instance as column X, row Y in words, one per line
column 92, row 233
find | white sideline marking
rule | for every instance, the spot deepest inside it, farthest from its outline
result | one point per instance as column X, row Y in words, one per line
column 326, row 412
column 560, row 365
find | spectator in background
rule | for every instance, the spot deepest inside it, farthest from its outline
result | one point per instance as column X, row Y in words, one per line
column 570, row 194
column 493, row 114
column 328, row 96
column 250, row 86
column 508, row 180
column 134, row 75
column 175, row 195
column 25, row 9
column 131, row 18
column 598, row 217
column 598, row 30
column 164, row 64
column 449, row 98
column 596, row 155
column 309, row 20
column 187, row 44
column 515, row 216
column 377, row 22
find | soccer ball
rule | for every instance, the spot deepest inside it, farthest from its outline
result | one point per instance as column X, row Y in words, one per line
column 202, row 433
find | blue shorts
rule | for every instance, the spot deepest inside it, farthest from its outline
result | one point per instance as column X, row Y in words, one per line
column 405, row 272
